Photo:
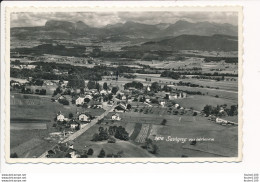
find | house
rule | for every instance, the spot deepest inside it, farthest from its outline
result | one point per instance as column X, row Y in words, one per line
column 176, row 105
column 48, row 82
column 221, row 121
column 148, row 100
column 103, row 92
column 173, row 96
column 79, row 101
column 116, row 117
column 162, row 103
column 123, row 97
column 57, row 97
column 120, row 108
column 84, row 117
column 73, row 124
column 60, row 117
column 96, row 104
column 73, row 153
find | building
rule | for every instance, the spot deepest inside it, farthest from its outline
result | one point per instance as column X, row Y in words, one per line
column 84, row 117
column 221, row 121
column 120, row 108
column 162, row 103
column 57, row 97
column 73, row 124
column 79, row 101
column 116, row 117
column 60, row 117
column 103, row 92
column 73, row 153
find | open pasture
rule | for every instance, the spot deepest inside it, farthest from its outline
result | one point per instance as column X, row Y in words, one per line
column 46, row 110
column 224, row 87
column 230, row 95
column 224, row 145
column 29, row 143
column 198, row 102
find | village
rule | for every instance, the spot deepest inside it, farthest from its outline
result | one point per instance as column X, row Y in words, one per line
column 116, row 99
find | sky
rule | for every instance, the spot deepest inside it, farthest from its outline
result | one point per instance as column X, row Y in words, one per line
column 99, row 19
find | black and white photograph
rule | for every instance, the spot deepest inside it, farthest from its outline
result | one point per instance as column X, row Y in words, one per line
column 125, row 85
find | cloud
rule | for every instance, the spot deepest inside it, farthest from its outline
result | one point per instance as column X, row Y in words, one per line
column 99, row 19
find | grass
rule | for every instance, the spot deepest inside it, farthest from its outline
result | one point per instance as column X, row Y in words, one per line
column 21, row 108
column 224, row 144
column 198, row 102
column 231, row 95
column 29, row 143
column 225, row 137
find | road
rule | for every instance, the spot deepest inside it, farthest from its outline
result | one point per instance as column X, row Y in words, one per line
column 84, row 129
column 92, row 123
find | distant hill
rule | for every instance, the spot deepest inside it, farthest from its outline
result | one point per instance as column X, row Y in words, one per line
column 124, row 31
column 190, row 42
column 201, row 28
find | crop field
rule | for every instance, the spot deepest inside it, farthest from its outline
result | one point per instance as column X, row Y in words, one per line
column 26, row 126
column 149, row 126
column 198, row 102
column 144, row 132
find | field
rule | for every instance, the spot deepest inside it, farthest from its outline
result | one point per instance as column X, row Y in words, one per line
column 226, row 94
column 28, row 143
column 142, row 126
column 198, row 102
column 41, row 107
column 191, row 62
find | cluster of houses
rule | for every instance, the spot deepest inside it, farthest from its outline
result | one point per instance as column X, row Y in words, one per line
column 131, row 95
column 77, row 122
column 221, row 121
column 90, row 98
column 66, row 150
column 82, row 119
column 23, row 66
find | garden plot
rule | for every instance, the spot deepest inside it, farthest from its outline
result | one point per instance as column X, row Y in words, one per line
column 143, row 133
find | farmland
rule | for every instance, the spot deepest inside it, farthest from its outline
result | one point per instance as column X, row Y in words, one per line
column 141, row 126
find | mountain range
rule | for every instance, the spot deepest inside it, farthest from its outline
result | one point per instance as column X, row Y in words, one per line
column 54, row 29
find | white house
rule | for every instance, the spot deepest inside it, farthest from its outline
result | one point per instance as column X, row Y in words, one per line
column 162, row 103
column 103, row 92
column 79, row 101
column 221, row 121
column 83, row 117
column 60, row 117
column 173, row 96
column 73, row 153
column 116, row 117
column 123, row 97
